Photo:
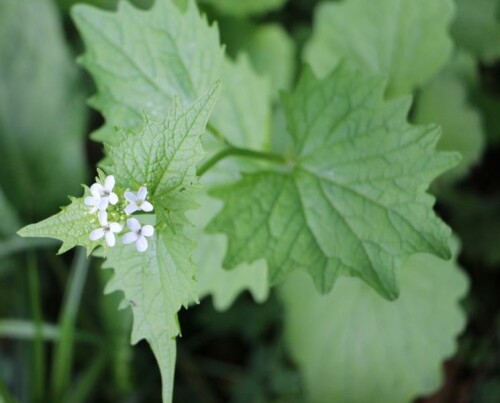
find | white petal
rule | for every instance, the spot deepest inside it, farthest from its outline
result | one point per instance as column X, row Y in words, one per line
column 142, row 193
column 141, row 244
column 96, row 234
column 103, row 204
column 115, row 227
column 109, row 183
column 91, row 201
column 110, row 239
column 93, row 210
column 113, row 198
column 103, row 218
column 131, row 208
column 96, row 190
column 130, row 196
column 130, row 237
column 146, row 206
column 147, row 230
column 134, row 224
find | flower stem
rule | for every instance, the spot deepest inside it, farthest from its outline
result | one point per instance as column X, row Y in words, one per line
column 238, row 152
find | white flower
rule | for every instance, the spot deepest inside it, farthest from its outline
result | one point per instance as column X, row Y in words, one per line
column 138, row 202
column 93, row 201
column 138, row 234
column 103, row 195
column 107, row 230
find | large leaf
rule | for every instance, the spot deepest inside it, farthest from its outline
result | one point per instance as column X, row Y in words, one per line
column 42, row 109
column 141, row 59
column 406, row 40
column 355, row 347
column 351, row 198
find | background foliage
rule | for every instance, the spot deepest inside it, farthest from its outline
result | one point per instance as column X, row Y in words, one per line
column 62, row 339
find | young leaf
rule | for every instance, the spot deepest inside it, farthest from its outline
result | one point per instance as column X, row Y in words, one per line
column 342, row 341
column 352, row 200
column 406, row 40
column 72, row 225
column 164, row 154
column 141, row 59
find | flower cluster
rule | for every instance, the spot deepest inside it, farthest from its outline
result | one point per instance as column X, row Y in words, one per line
column 104, row 200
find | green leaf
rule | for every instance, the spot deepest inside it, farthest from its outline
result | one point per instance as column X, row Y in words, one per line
column 157, row 283
column 242, row 8
column 477, row 28
column 445, row 100
column 140, row 60
column 272, row 52
column 353, row 346
column 164, row 154
column 407, row 41
column 352, row 198
column 223, row 285
column 42, row 110
column 244, row 91
column 72, row 226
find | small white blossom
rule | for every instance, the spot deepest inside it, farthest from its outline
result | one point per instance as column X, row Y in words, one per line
column 107, row 230
column 102, row 194
column 138, row 201
column 93, row 201
column 138, row 234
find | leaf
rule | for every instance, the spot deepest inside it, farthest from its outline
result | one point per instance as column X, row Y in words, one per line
column 164, row 154
column 42, row 110
column 353, row 346
column 244, row 91
column 272, row 52
column 444, row 100
column 407, row 41
column 242, row 8
column 140, row 60
column 223, row 285
column 477, row 28
column 352, row 198
column 72, row 226
column 157, row 283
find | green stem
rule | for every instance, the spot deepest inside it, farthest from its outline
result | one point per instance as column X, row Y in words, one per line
column 38, row 344
column 63, row 355
column 239, row 152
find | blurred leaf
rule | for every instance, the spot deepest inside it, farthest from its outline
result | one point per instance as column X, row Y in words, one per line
column 141, row 60
column 272, row 53
column 405, row 40
column 243, row 91
column 244, row 7
column 42, row 109
column 213, row 279
column 477, row 28
column 354, row 346
column 444, row 100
